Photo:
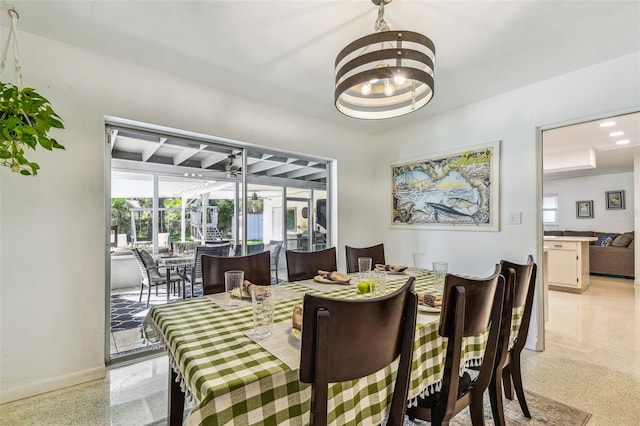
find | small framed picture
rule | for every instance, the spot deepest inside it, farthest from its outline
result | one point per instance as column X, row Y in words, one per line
column 615, row 200
column 584, row 209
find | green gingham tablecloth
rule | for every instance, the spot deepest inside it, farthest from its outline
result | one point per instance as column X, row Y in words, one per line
column 233, row 380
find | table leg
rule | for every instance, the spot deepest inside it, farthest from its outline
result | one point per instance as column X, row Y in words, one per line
column 168, row 281
column 176, row 400
column 184, row 284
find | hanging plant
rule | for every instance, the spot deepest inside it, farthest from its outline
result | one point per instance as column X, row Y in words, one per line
column 25, row 121
column 26, row 118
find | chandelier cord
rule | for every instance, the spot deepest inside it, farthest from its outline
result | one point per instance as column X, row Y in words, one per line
column 16, row 53
column 380, row 24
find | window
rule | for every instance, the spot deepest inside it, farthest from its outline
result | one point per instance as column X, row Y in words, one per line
column 550, row 209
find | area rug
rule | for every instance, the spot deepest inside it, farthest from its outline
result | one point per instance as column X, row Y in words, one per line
column 127, row 312
column 544, row 411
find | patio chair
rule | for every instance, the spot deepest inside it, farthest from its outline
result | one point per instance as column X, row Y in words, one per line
column 349, row 339
column 256, row 269
column 194, row 275
column 471, row 306
column 275, row 248
column 151, row 275
column 304, row 265
column 521, row 281
column 251, row 249
column 163, row 239
column 376, row 253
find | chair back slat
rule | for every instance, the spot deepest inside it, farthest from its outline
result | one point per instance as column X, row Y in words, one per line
column 256, row 267
column 218, row 250
column 141, row 266
column 524, row 282
column 376, row 253
column 477, row 315
column 349, row 339
column 305, row 265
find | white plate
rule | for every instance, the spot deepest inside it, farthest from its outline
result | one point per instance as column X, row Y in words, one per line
column 321, row 279
column 425, row 308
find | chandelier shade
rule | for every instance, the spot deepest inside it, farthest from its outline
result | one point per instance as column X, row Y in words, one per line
column 383, row 75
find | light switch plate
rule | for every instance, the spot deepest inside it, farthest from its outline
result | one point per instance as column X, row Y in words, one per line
column 515, row 218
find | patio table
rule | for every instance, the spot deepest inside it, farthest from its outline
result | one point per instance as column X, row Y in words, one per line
column 232, row 379
column 175, row 262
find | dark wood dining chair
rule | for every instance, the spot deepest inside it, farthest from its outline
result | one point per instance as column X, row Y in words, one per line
column 256, row 267
column 194, row 274
column 376, row 253
column 151, row 275
column 470, row 307
column 349, row 339
column 304, row 265
column 521, row 282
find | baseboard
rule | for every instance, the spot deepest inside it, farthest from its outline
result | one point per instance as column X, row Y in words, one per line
column 44, row 386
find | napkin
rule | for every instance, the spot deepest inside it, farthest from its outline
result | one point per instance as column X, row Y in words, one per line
column 296, row 318
column 390, row 268
column 249, row 287
column 430, row 300
column 335, row 276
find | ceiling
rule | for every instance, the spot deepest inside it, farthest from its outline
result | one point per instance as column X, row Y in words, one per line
column 588, row 148
column 283, row 52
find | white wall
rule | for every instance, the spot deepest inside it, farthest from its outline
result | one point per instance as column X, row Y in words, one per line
column 52, row 268
column 593, row 188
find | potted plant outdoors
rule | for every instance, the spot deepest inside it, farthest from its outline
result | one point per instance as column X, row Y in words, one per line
column 26, row 118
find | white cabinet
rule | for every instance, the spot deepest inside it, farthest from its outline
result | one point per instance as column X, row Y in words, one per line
column 568, row 263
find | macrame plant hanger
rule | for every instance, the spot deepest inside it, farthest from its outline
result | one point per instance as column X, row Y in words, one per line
column 13, row 32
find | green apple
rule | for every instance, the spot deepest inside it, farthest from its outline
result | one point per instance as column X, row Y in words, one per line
column 365, row 287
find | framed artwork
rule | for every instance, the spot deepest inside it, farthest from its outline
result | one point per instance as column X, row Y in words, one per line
column 456, row 190
column 615, row 200
column 584, row 209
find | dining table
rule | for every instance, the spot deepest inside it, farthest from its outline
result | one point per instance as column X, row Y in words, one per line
column 228, row 377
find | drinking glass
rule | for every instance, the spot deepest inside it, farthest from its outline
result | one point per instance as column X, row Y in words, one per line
column 439, row 272
column 262, row 306
column 364, row 267
column 233, row 286
column 419, row 262
column 379, row 279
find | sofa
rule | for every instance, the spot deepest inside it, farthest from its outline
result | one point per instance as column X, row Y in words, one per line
column 611, row 254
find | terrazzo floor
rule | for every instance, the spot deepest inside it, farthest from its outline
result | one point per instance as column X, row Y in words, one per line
column 591, row 362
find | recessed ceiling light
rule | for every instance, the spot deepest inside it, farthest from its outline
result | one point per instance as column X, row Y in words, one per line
column 607, row 124
column 616, row 133
column 623, row 142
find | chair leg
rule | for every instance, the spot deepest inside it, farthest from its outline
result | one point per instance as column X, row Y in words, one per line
column 506, row 383
column 516, row 375
column 495, row 396
column 476, row 409
column 149, row 295
column 141, row 290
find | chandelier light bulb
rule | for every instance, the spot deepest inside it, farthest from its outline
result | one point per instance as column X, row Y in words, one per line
column 388, row 88
column 399, row 79
column 366, row 89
